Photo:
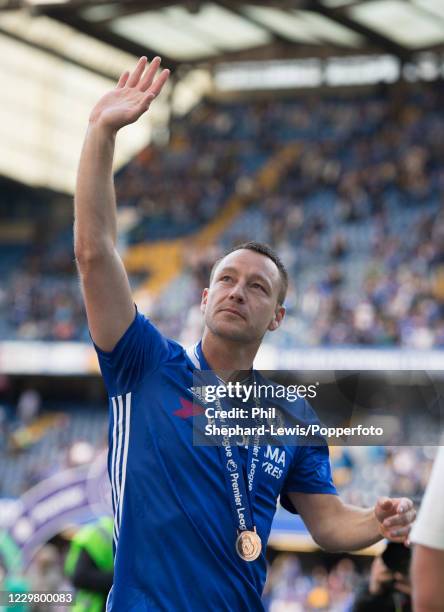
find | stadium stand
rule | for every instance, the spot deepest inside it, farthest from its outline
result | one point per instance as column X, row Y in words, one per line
column 291, row 586
column 357, row 216
column 35, row 449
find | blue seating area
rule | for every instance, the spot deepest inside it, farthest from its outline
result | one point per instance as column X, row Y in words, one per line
column 23, row 467
column 179, row 188
column 357, row 217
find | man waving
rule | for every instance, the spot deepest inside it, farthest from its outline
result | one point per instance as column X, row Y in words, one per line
column 179, row 543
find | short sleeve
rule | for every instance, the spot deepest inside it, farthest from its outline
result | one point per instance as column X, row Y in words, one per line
column 428, row 528
column 141, row 349
column 310, row 472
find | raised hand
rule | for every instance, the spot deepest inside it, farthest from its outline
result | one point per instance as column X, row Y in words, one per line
column 132, row 97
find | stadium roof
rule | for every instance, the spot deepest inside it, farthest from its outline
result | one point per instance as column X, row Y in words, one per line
column 196, row 31
column 58, row 56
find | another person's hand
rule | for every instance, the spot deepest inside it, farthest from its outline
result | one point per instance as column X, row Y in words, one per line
column 402, row 583
column 132, row 97
column 380, row 576
column 395, row 517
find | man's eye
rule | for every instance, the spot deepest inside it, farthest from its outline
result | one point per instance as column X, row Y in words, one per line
column 225, row 277
column 259, row 286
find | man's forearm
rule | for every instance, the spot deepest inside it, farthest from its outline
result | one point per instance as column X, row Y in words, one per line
column 95, row 227
column 336, row 526
column 350, row 528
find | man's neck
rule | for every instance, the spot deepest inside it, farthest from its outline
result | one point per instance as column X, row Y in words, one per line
column 227, row 358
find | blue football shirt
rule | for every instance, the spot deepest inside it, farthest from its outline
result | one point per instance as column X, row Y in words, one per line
column 174, row 533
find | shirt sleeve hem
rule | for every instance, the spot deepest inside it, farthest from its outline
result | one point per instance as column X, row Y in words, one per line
column 428, row 537
column 287, row 503
column 100, row 351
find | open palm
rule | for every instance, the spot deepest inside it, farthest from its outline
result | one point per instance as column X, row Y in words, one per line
column 132, row 97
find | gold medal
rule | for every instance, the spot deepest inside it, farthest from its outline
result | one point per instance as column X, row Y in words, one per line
column 248, row 545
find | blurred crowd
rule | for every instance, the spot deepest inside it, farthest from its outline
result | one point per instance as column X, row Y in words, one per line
column 364, row 473
column 178, row 188
column 44, row 308
column 357, row 215
column 306, row 583
column 358, row 218
column 291, row 588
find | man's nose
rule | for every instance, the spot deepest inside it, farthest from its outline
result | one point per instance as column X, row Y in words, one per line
column 237, row 293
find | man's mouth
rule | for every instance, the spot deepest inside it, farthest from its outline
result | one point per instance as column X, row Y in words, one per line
column 233, row 312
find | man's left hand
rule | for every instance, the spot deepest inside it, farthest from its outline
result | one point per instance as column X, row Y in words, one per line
column 395, row 517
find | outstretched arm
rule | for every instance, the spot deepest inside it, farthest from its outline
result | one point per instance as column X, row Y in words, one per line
column 105, row 285
column 337, row 526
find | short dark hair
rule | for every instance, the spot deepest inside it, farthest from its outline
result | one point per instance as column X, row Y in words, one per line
column 267, row 251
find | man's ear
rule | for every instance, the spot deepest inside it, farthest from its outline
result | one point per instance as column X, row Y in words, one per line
column 203, row 301
column 277, row 319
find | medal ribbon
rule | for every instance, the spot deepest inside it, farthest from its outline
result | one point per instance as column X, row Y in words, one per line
column 241, row 496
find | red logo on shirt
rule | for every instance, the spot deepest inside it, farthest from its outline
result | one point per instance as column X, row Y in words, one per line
column 188, row 409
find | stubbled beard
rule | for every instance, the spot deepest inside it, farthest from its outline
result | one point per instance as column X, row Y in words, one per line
column 233, row 335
